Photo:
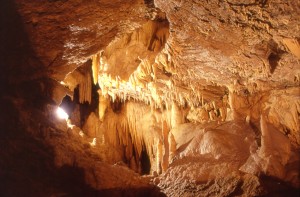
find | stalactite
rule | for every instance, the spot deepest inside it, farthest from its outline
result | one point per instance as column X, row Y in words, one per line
column 95, row 67
column 89, row 88
column 85, row 88
column 176, row 115
column 103, row 105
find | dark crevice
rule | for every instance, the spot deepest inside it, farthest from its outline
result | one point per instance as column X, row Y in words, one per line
column 116, row 105
column 275, row 187
column 273, row 62
column 257, row 132
column 274, row 55
column 149, row 3
column 145, row 161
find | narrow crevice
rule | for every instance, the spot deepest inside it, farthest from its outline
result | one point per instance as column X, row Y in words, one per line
column 145, row 162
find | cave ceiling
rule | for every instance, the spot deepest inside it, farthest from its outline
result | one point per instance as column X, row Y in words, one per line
column 196, row 44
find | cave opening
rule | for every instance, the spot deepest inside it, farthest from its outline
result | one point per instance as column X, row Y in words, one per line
column 67, row 105
column 145, row 162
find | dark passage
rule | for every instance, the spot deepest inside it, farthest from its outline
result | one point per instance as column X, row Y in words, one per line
column 145, row 161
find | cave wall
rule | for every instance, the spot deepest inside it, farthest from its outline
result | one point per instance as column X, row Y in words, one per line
column 203, row 96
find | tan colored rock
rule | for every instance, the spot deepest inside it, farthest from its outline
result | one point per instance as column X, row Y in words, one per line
column 103, row 105
column 204, row 93
column 91, row 126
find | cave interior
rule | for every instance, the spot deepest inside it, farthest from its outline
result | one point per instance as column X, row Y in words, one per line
column 150, row 98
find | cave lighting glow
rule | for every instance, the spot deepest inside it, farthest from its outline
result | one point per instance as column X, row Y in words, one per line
column 61, row 114
column 69, row 124
column 93, row 143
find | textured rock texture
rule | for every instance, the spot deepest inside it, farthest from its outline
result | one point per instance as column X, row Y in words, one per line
column 199, row 97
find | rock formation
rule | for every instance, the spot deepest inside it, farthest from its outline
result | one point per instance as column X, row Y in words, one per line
column 164, row 98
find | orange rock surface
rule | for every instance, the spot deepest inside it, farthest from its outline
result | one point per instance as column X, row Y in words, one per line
column 164, row 98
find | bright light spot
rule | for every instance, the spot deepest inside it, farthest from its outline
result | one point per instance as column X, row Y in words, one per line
column 105, row 68
column 69, row 124
column 93, row 143
column 61, row 114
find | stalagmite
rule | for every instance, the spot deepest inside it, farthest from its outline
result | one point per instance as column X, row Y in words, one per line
column 265, row 134
column 231, row 102
column 212, row 115
column 223, row 113
column 159, row 156
column 165, row 133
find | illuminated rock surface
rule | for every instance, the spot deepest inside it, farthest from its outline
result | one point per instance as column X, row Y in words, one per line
column 164, row 98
